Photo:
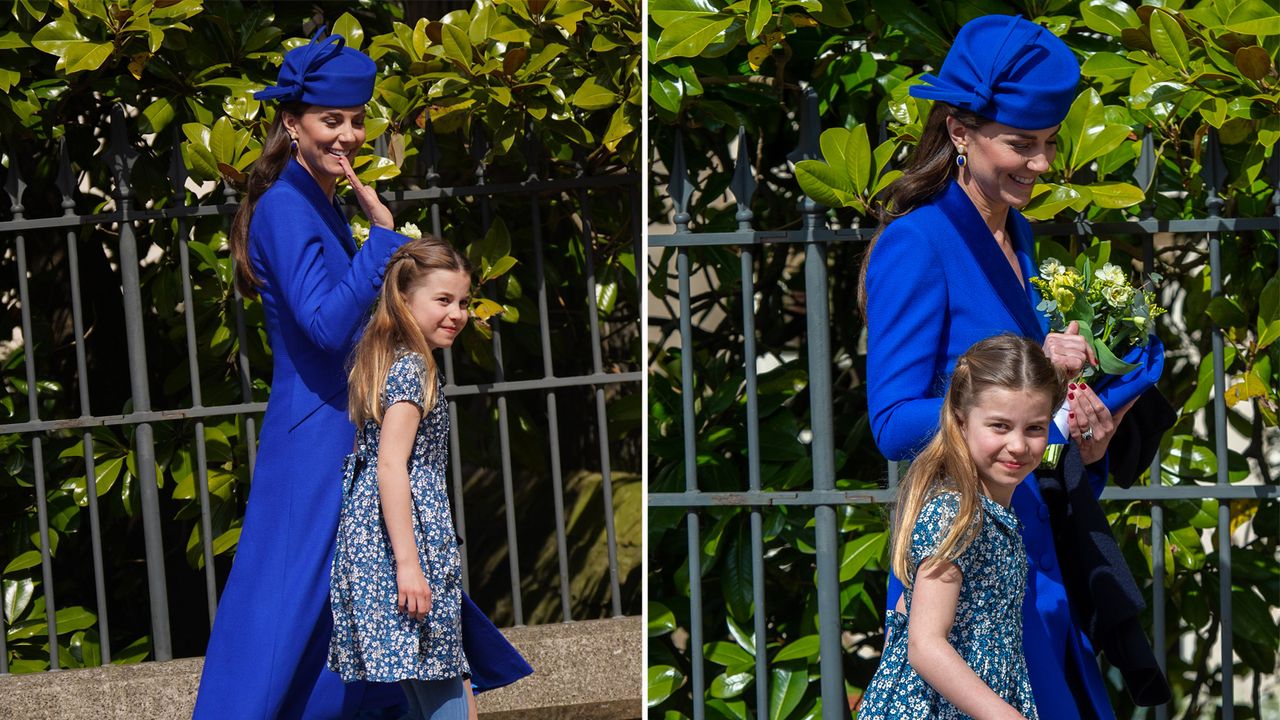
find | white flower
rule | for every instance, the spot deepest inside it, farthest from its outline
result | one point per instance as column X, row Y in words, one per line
column 410, row 230
column 1051, row 268
column 1110, row 274
column 1118, row 296
column 359, row 232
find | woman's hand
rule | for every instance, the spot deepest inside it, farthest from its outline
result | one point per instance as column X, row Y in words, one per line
column 413, row 594
column 370, row 203
column 1090, row 423
column 1069, row 351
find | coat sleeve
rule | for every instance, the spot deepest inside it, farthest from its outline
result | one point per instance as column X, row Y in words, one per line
column 328, row 309
column 906, row 329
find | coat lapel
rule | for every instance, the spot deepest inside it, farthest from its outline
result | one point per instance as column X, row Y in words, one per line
column 970, row 226
column 298, row 177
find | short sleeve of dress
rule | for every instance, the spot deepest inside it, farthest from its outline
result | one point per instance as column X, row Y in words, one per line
column 404, row 382
column 932, row 525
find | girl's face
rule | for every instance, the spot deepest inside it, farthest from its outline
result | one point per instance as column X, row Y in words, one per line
column 1007, row 431
column 325, row 134
column 1003, row 162
column 439, row 304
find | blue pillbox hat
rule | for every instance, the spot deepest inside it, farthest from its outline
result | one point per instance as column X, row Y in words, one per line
column 1009, row 70
column 324, row 72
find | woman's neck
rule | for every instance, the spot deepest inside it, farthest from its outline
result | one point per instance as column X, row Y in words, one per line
column 993, row 212
column 328, row 184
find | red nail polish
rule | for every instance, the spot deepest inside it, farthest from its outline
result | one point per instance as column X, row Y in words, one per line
column 1072, row 386
column 1071, row 414
column 1071, row 396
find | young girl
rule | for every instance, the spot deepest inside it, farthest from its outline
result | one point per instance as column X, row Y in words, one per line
column 953, row 646
column 396, row 585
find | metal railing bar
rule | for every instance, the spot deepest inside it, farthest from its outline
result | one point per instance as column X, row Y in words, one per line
column 1084, row 227
column 691, row 485
column 259, row 407
column 747, row 266
column 553, row 419
column 602, row 417
column 82, row 374
column 766, row 498
column 429, row 193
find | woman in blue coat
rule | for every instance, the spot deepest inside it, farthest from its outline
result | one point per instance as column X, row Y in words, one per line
column 294, row 248
column 950, row 266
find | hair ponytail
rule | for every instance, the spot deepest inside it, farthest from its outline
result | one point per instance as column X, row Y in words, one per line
column 276, row 152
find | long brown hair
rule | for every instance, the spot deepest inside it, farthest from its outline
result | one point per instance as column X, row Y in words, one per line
column 1006, row 362
column 931, row 165
column 276, row 151
column 392, row 327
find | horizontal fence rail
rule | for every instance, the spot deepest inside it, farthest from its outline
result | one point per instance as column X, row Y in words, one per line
column 816, row 237
column 140, row 419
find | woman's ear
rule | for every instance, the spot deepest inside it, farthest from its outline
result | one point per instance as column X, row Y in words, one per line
column 290, row 122
column 958, row 133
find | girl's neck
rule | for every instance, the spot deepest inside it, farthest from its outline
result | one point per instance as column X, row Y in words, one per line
column 1002, row 495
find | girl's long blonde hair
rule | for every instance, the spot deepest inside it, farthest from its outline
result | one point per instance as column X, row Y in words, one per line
column 1004, row 362
column 392, row 327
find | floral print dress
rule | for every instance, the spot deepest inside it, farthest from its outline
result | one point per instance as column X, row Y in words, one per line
column 373, row 639
column 987, row 631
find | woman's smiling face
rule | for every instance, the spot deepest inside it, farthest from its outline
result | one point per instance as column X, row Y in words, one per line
column 324, row 135
column 1002, row 162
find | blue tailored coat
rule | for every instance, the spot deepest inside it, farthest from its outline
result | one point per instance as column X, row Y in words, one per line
column 266, row 655
column 936, row 284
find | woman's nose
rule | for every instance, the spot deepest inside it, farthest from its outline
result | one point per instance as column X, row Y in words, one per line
column 1040, row 163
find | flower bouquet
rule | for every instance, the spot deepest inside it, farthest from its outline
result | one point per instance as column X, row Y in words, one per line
column 1114, row 316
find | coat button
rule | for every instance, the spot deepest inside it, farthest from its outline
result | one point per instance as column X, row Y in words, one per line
column 1046, row 562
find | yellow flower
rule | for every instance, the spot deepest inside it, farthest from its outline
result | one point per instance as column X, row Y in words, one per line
column 1064, row 297
column 410, row 230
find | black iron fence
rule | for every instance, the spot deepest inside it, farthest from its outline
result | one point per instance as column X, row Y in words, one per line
column 603, row 382
column 815, row 236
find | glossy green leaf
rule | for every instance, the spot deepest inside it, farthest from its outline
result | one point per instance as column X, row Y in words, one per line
column 1169, row 39
column 28, row 559
column 1226, row 312
column 786, row 690
column 456, row 44
column 1255, row 17
column 804, row 648
column 59, row 36
column 665, row 12
column 349, row 28
column 662, row 680
column 1108, row 17
column 730, row 685
column 758, row 17
column 591, row 95
column 727, row 654
column 1115, row 194
column 857, row 553
column 689, row 36
column 824, row 184
column 661, row 619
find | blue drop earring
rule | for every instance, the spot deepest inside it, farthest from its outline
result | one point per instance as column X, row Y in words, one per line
column 293, row 144
column 961, row 160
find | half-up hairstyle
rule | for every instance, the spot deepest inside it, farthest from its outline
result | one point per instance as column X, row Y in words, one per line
column 930, row 167
column 1003, row 362
column 392, row 329
column 276, row 151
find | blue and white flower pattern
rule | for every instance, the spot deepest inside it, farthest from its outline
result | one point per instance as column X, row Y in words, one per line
column 987, row 631
column 373, row 639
